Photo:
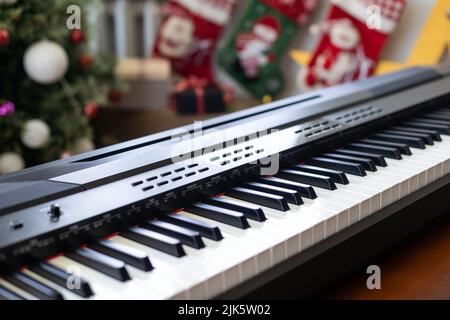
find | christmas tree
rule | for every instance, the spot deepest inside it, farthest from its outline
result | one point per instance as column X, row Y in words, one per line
column 50, row 83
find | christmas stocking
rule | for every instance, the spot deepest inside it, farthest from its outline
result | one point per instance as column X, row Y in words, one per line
column 188, row 34
column 251, row 54
column 353, row 36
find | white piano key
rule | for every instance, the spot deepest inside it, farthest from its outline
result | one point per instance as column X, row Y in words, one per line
column 17, row 290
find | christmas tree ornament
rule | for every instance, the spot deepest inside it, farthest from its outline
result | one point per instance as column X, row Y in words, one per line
column 35, row 134
column 7, row 2
column 4, row 37
column 252, row 52
column 91, row 110
column 351, row 41
column 6, row 108
column 45, row 62
column 189, row 32
column 85, row 60
column 115, row 95
column 65, row 154
column 11, row 162
column 77, row 36
column 82, row 145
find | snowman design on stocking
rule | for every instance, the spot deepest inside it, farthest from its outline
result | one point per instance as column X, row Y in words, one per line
column 342, row 60
column 252, row 47
column 177, row 35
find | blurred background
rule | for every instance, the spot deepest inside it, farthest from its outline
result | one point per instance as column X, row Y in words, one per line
column 78, row 75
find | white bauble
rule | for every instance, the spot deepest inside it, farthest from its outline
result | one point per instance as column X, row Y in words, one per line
column 8, row 1
column 45, row 62
column 35, row 134
column 10, row 162
column 83, row 145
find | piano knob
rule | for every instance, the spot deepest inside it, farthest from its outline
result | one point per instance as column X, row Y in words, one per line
column 55, row 212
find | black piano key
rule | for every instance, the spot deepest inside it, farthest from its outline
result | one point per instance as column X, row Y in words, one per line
column 226, row 216
column 335, row 175
column 400, row 147
column 66, row 280
column 433, row 133
column 426, row 138
column 378, row 159
column 262, row 198
column 437, row 116
column 316, row 180
column 249, row 210
column 410, row 141
column 387, row 152
column 303, row 189
column 205, row 229
column 344, row 166
column 432, row 121
column 444, row 110
column 367, row 163
column 6, row 294
column 291, row 196
column 188, row 237
column 101, row 263
column 34, row 287
column 130, row 256
column 155, row 240
column 429, row 126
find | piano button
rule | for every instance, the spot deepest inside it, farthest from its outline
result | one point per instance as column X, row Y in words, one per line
column 34, row 287
column 367, row 163
column 291, row 196
column 101, row 263
column 401, row 147
column 320, row 181
column 433, row 133
column 155, row 240
column 250, row 211
column 378, row 159
column 130, row 256
column 426, row 138
column 410, row 141
column 6, row 294
column 63, row 279
column 262, row 198
column 205, row 229
column 188, row 237
column 336, row 175
column 303, row 189
column 345, row 166
column 442, row 129
column 226, row 216
column 387, row 152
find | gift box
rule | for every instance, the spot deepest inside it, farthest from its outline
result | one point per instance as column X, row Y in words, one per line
column 195, row 96
column 148, row 83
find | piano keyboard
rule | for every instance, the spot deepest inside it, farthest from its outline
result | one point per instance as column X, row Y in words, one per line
column 211, row 246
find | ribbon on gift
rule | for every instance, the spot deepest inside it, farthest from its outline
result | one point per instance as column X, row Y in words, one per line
column 6, row 108
column 198, row 86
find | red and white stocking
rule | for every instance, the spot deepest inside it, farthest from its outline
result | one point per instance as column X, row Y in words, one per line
column 189, row 32
column 353, row 36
